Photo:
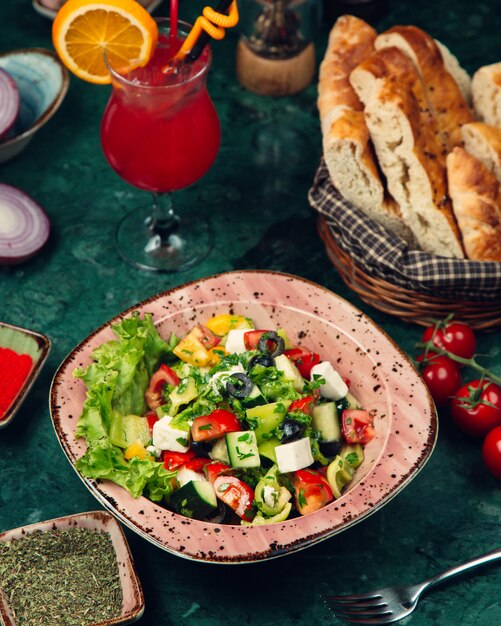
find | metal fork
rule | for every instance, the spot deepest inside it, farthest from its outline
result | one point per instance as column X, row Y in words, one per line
column 388, row 605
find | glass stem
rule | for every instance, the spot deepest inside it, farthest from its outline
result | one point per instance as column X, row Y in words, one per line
column 163, row 221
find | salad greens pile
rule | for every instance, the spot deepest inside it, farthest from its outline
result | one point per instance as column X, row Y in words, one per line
column 116, row 382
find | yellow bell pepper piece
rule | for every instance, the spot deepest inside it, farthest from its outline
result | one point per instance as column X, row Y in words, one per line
column 222, row 324
column 191, row 350
column 217, row 354
column 135, row 449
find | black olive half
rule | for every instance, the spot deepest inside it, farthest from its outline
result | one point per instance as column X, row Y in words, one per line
column 330, row 448
column 291, row 430
column 261, row 359
column 273, row 338
column 202, row 448
column 239, row 385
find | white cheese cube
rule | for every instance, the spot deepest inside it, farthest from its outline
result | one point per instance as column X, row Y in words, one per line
column 235, row 341
column 185, row 475
column 294, row 456
column 334, row 387
column 165, row 437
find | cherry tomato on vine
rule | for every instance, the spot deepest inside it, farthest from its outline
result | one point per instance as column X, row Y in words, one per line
column 456, row 337
column 441, row 376
column 476, row 407
column 491, row 452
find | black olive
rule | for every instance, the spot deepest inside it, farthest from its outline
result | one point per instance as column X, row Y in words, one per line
column 330, row 448
column 239, row 385
column 273, row 338
column 291, row 430
column 202, row 448
column 261, row 359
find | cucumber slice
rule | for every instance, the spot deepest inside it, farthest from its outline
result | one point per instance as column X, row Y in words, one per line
column 290, row 371
column 242, row 449
column 195, row 499
column 255, row 398
column 127, row 429
column 325, row 419
column 353, row 403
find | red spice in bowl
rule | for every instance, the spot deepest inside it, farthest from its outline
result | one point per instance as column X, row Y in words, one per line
column 14, row 370
column 22, row 355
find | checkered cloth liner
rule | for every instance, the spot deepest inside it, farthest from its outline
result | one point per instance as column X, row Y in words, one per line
column 381, row 253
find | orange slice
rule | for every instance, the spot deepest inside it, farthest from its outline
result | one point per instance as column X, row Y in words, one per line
column 86, row 29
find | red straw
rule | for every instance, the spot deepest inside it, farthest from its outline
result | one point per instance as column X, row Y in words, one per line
column 174, row 11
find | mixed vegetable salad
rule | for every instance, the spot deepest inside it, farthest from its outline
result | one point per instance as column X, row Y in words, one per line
column 230, row 423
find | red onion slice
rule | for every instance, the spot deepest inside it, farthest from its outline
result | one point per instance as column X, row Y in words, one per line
column 24, row 226
column 9, row 102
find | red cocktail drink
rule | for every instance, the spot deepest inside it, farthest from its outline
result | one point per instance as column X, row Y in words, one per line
column 160, row 132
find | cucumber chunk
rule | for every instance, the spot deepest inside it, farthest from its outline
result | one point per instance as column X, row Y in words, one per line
column 325, row 419
column 242, row 449
column 195, row 499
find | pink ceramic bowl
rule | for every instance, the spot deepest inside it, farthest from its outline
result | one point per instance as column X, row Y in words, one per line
column 381, row 375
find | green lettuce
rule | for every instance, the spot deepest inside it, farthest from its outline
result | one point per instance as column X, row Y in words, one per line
column 116, row 382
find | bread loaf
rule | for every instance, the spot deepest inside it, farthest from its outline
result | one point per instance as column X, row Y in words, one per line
column 484, row 143
column 454, row 68
column 348, row 152
column 476, row 200
column 486, row 89
column 410, row 155
column 444, row 95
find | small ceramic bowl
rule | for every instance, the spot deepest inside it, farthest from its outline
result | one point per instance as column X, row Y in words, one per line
column 49, row 8
column 132, row 593
column 23, row 341
column 42, row 81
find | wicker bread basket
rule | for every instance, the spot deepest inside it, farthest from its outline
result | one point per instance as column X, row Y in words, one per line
column 390, row 276
column 406, row 304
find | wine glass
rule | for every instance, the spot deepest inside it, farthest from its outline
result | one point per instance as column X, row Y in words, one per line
column 161, row 133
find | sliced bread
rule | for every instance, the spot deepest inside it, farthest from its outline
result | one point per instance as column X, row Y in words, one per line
column 484, row 143
column 476, row 200
column 486, row 89
column 408, row 150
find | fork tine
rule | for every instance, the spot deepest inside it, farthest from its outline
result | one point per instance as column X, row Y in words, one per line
column 362, row 604
column 356, row 597
column 371, row 613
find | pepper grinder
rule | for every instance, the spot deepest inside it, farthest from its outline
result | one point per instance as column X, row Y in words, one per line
column 276, row 53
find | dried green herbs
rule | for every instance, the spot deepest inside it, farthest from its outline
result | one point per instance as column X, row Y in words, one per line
column 61, row 578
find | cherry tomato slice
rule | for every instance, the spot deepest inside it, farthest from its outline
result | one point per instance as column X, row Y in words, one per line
column 252, row 337
column 163, row 376
column 303, row 359
column 215, row 425
column 215, row 469
column 456, row 337
column 303, row 405
column 236, row 494
column 152, row 418
column 312, row 491
column 197, row 463
column 357, row 426
column 441, row 376
column 173, row 460
column 476, row 407
column 491, row 452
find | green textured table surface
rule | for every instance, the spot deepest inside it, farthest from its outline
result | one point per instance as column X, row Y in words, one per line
column 256, row 197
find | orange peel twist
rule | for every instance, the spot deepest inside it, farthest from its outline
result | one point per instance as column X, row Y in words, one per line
column 213, row 23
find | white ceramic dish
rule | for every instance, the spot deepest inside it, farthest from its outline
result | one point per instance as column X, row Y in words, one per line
column 382, row 378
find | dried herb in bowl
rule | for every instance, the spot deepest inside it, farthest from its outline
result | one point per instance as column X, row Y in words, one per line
column 61, row 578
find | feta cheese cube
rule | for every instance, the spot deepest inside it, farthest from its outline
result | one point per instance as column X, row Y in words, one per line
column 334, row 387
column 235, row 340
column 294, row 456
column 165, row 437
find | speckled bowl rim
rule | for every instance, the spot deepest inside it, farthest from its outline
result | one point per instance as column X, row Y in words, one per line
column 103, row 518
column 54, row 105
column 192, row 527
column 44, row 344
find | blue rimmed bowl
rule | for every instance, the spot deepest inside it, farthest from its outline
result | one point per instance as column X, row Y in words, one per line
column 43, row 82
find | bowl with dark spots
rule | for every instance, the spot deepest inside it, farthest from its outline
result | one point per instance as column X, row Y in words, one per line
column 381, row 376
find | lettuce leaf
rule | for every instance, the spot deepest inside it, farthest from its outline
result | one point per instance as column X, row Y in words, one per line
column 116, row 382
